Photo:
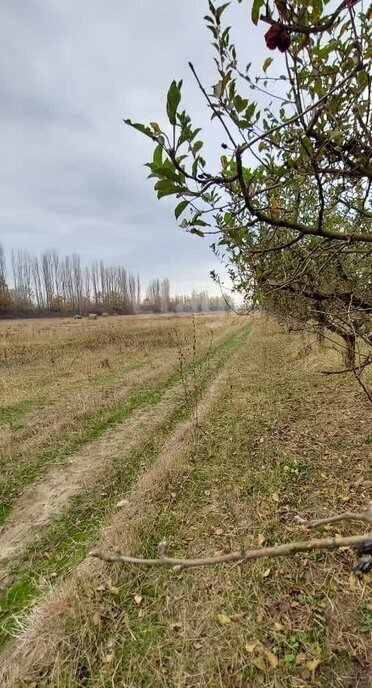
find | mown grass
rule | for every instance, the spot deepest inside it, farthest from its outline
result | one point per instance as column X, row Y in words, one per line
column 65, row 542
column 279, row 440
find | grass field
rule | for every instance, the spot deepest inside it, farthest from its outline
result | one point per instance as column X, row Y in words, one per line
column 212, row 433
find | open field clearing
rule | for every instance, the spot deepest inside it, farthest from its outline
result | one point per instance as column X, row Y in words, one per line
column 211, row 435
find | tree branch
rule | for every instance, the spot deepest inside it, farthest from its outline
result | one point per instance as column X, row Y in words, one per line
column 240, row 556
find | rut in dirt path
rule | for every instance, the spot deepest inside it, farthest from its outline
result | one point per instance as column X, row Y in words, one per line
column 40, row 636
column 43, row 500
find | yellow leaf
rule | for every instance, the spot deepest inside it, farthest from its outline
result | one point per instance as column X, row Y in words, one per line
column 275, row 497
column 108, row 659
column 266, row 573
column 312, row 664
column 138, row 599
column 261, row 539
column 250, row 647
column 223, row 619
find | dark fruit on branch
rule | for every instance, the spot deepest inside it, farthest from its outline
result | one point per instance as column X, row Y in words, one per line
column 278, row 37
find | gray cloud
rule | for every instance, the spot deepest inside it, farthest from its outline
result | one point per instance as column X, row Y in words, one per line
column 71, row 173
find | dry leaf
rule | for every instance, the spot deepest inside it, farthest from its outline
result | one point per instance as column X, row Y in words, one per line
column 197, row 646
column 207, row 493
column 223, row 619
column 218, row 531
column 123, row 502
column 266, row 573
column 100, row 588
column 108, row 659
column 312, row 664
column 275, row 497
column 114, row 589
column 250, row 647
column 259, row 663
column 237, row 617
column 261, row 539
column 272, row 660
column 278, row 626
column 141, row 613
column 96, row 619
column 138, row 599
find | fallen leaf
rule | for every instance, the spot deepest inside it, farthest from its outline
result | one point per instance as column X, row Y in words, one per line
column 197, row 646
column 108, row 659
column 96, row 619
column 261, row 539
column 278, row 626
column 272, row 660
column 113, row 589
column 237, row 617
column 312, row 664
column 223, row 619
column 100, row 588
column 141, row 613
column 275, row 497
column 218, row 531
column 138, row 599
column 123, row 502
column 259, row 663
column 266, row 573
column 250, row 647
column 207, row 493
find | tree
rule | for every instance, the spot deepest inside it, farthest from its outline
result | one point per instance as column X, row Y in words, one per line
column 290, row 201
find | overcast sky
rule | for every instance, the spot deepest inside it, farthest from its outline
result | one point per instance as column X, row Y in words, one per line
column 72, row 174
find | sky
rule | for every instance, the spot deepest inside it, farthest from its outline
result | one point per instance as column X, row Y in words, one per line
column 72, row 175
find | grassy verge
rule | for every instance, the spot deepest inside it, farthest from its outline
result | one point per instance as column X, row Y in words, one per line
column 279, row 440
column 65, row 543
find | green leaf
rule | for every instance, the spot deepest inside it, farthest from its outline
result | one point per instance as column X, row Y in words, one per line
column 173, row 100
column 180, row 208
column 197, row 146
column 140, row 127
column 267, row 64
column 166, row 187
column 158, row 156
column 240, row 103
column 257, row 4
column 262, row 146
column 198, row 232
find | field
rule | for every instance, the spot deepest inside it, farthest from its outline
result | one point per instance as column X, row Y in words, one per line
column 210, row 432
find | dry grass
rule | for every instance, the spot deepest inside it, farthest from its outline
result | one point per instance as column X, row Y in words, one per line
column 274, row 439
column 57, row 375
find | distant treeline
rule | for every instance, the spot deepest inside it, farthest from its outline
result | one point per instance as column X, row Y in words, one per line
column 49, row 285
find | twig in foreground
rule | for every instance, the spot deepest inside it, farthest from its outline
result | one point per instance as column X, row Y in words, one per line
column 288, row 549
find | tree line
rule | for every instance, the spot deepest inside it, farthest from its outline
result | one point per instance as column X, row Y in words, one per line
column 48, row 284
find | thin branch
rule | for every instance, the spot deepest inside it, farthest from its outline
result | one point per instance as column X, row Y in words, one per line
column 365, row 516
column 214, row 109
column 240, row 556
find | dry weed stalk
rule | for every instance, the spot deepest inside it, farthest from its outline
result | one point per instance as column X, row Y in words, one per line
column 363, row 543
